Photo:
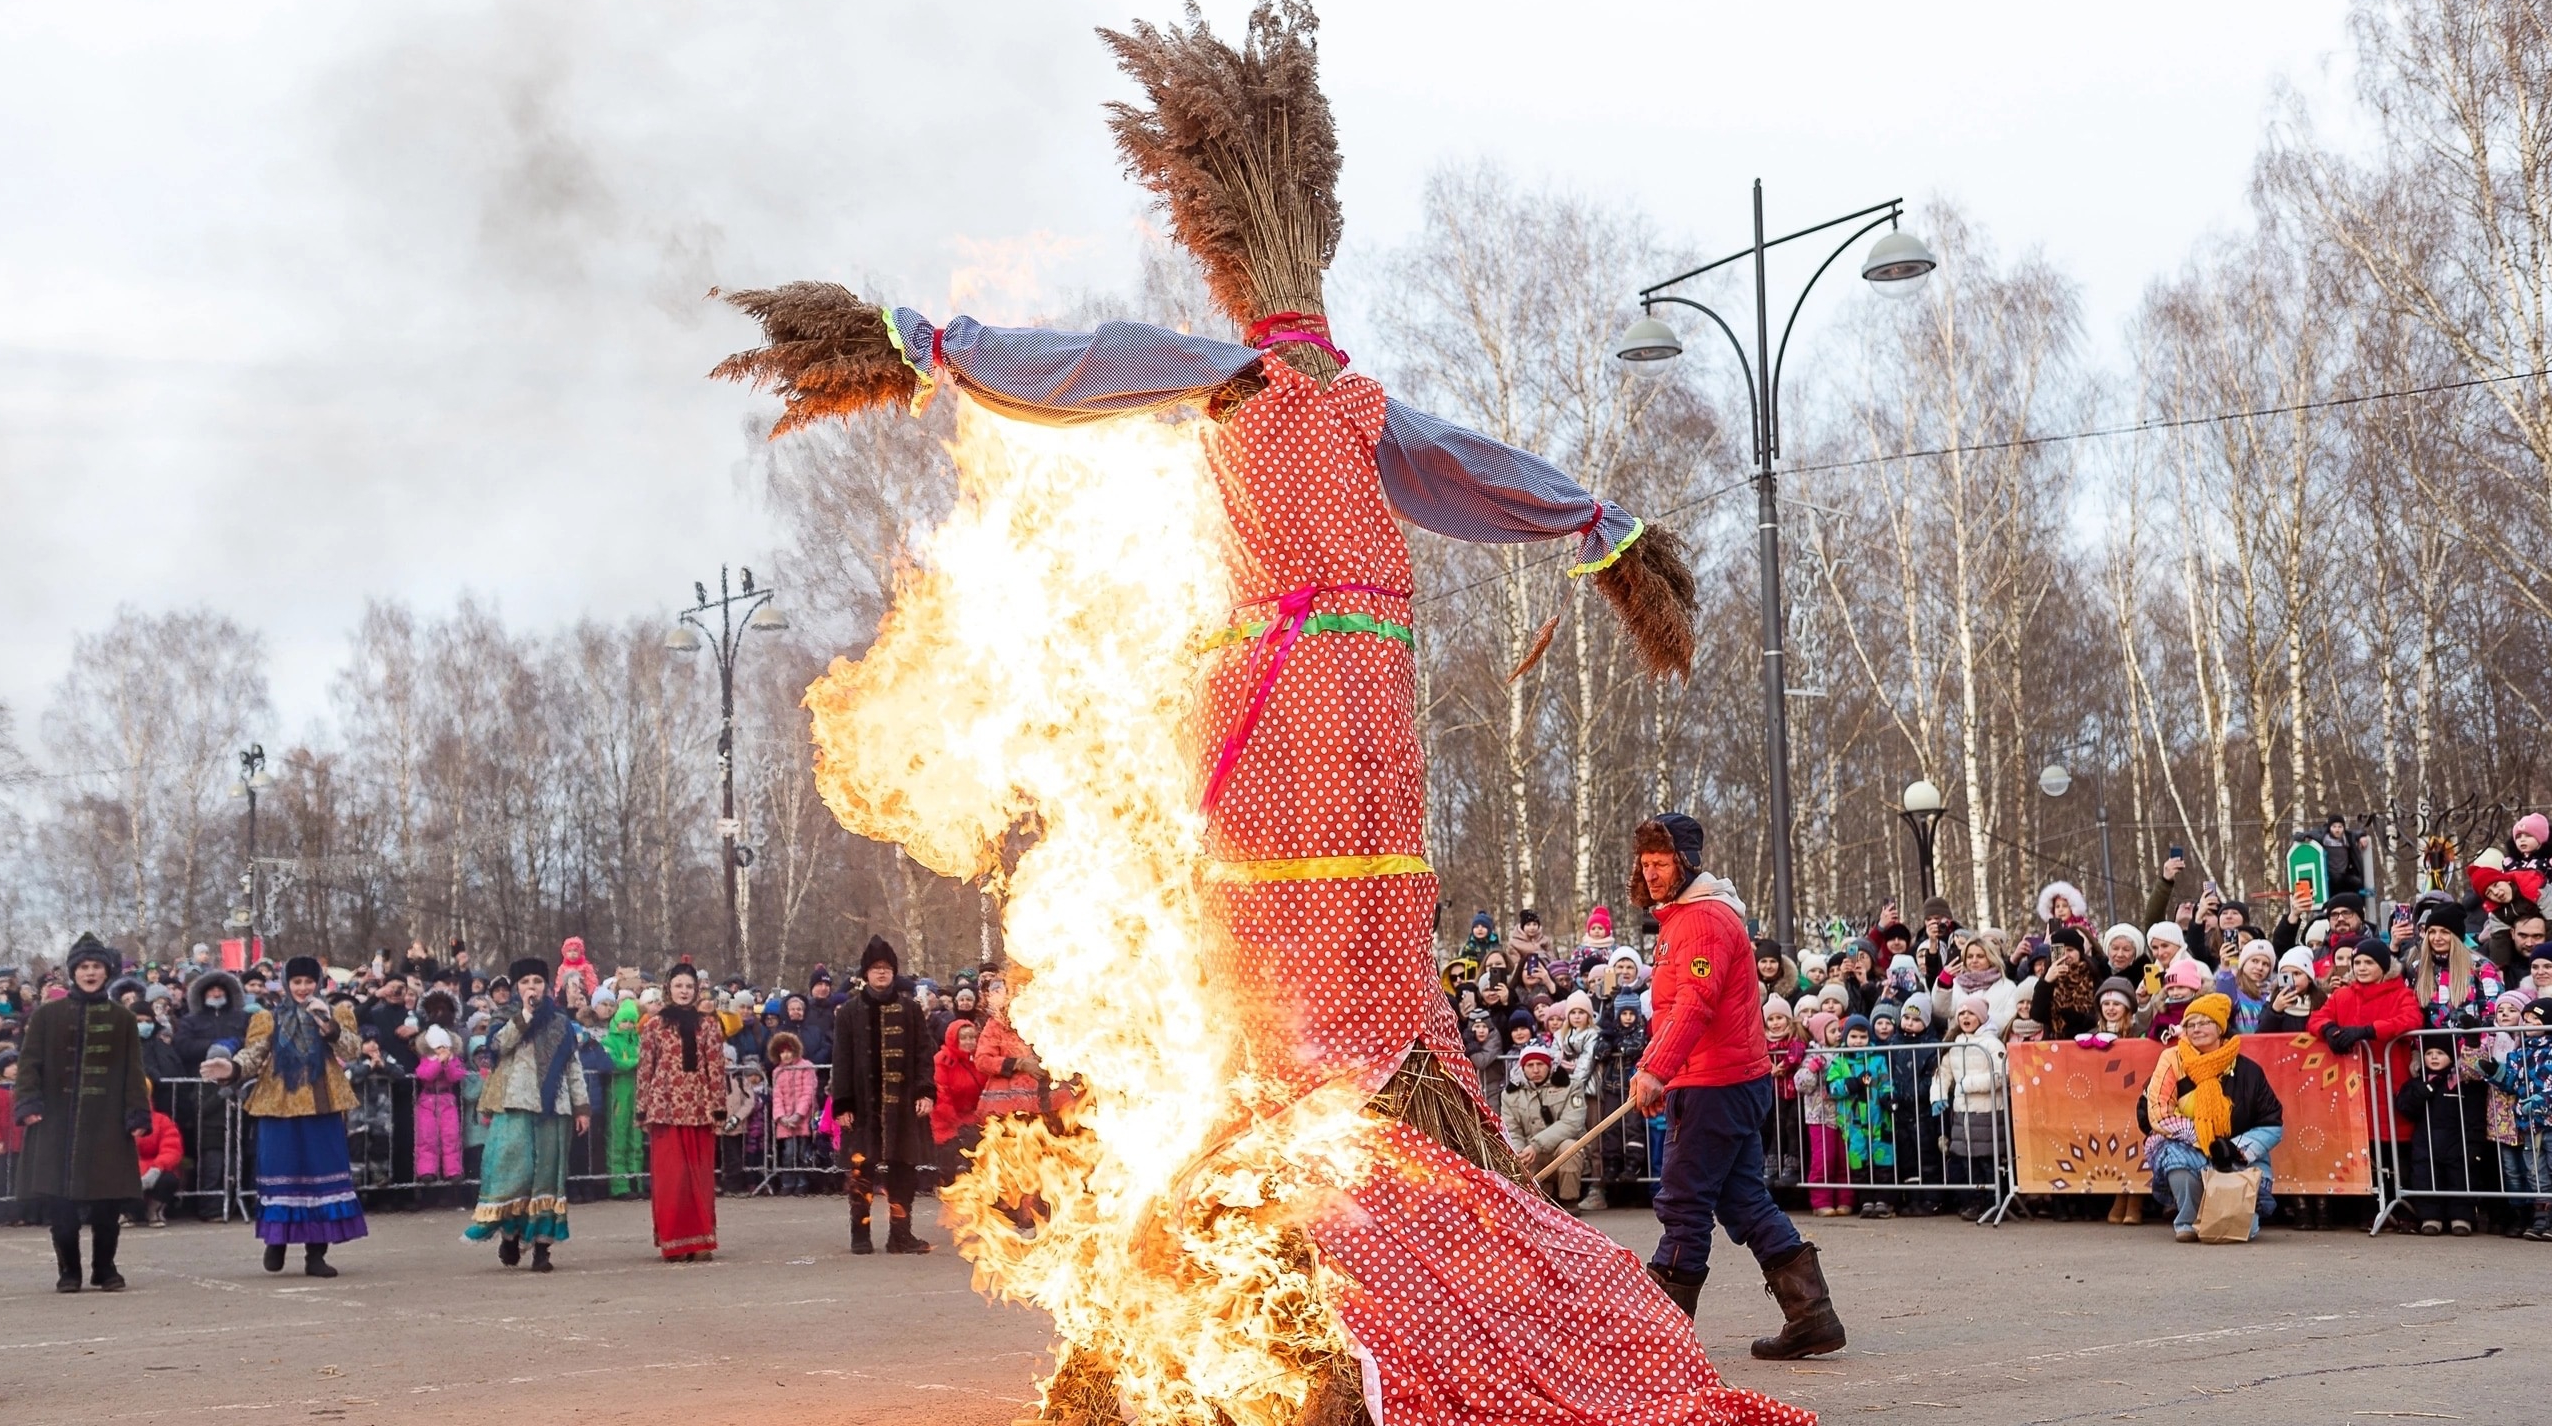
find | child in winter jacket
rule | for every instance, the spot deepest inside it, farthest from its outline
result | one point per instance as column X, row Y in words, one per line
column 1966, row 1088
column 482, row 1063
column 2445, row 1121
column 1542, row 1113
column 438, row 1107
column 1783, row 1133
column 1824, row 1129
column 2524, row 1072
column 1864, row 1092
column 161, row 1155
column 792, row 1109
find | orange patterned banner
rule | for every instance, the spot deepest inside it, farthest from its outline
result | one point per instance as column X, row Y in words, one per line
column 2073, row 1114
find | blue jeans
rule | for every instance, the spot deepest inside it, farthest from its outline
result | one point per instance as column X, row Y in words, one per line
column 2522, row 1168
column 2182, row 1170
column 1714, row 1173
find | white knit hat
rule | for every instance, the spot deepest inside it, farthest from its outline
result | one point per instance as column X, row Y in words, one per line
column 2296, row 959
column 2169, row 931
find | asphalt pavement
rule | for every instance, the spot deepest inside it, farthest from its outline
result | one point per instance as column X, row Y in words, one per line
column 2031, row 1322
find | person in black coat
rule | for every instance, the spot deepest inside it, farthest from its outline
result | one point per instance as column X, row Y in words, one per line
column 81, row 1100
column 2445, row 1108
column 882, row 1091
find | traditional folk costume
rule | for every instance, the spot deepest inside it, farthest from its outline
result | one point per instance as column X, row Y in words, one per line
column 535, row 1093
column 882, row 1053
column 1469, row 1298
column 305, row 1176
column 82, row 1098
column 682, row 1099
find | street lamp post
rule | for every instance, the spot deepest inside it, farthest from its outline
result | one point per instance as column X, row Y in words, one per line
column 1922, row 810
column 754, row 605
column 1896, row 265
column 2055, row 781
column 253, row 779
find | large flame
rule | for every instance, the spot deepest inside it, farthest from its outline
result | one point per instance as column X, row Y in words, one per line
column 1036, row 680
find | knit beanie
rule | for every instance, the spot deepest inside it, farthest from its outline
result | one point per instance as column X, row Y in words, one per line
column 2165, row 932
column 2132, row 933
column 1818, row 1024
column 1807, row 1007
column 2118, row 985
column 2215, row 1006
column 2376, row 951
column 1917, row 1012
column 1975, row 1000
column 1775, row 1005
column 2296, row 959
column 2188, row 973
column 2534, row 825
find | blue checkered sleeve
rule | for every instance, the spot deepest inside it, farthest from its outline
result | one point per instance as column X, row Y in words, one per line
column 1459, row 483
column 1066, row 378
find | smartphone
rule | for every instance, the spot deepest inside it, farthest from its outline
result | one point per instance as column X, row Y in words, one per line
column 2211, row 891
column 2402, row 916
column 2179, row 854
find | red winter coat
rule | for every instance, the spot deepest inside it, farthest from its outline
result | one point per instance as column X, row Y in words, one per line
column 1707, row 1026
column 2392, row 1009
column 960, row 1087
column 159, row 1147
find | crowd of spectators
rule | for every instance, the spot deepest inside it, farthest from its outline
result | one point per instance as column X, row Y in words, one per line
column 1888, row 1043
column 424, row 1021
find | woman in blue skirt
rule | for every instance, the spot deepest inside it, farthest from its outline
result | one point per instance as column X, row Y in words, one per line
column 305, row 1187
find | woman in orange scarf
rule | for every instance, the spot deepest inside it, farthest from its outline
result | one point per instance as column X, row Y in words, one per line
column 2207, row 1107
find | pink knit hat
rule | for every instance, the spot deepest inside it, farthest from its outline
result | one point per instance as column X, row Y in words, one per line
column 1821, row 1022
column 1599, row 922
column 2188, row 972
column 1975, row 1000
column 2533, row 824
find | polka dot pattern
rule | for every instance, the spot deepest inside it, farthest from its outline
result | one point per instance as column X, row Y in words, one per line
column 1479, row 1303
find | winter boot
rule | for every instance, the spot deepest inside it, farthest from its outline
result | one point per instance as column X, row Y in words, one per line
column 1809, row 1327
column 2118, row 1209
column 540, row 1257
column 860, row 1244
column 509, row 1250
column 66, row 1260
column 314, row 1261
column 2540, row 1230
column 102, row 1273
column 1682, row 1286
column 2135, row 1210
column 1593, row 1201
column 274, row 1257
column 899, row 1233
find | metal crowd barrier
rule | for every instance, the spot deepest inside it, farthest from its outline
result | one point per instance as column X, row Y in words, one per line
column 1920, row 1173
column 209, row 1122
column 2435, row 1148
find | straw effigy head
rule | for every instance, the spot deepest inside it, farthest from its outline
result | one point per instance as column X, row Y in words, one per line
column 1238, row 146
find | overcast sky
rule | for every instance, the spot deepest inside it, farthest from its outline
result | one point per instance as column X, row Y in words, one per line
column 302, row 303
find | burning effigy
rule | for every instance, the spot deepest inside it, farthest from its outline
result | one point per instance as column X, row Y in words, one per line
column 1151, row 682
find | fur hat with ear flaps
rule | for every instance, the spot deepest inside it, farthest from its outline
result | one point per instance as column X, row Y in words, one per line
column 1666, row 832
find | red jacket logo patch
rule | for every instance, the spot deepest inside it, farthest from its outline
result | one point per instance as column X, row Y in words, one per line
column 1701, row 966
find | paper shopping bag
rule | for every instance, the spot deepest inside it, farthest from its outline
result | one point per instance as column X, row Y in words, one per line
column 2226, row 1206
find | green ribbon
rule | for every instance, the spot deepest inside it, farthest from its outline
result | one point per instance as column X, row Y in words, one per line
column 1319, row 624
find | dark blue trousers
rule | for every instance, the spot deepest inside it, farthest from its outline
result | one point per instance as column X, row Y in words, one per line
column 1714, row 1171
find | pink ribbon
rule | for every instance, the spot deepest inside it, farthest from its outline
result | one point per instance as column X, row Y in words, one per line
column 1292, row 609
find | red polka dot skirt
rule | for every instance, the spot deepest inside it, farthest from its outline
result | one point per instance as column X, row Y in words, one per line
column 1474, row 1303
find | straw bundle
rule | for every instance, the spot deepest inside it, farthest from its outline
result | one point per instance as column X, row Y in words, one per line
column 1239, row 148
column 828, row 353
column 1651, row 589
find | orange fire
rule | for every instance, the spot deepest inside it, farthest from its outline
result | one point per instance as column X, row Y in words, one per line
column 1040, row 667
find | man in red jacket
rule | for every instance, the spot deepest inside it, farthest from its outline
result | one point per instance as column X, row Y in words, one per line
column 1709, row 1067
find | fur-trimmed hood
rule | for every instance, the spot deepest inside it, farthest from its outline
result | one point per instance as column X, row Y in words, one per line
column 210, row 981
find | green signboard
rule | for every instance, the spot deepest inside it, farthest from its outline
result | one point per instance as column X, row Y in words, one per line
column 2306, row 862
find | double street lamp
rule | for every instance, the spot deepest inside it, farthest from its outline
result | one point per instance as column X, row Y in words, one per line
column 744, row 607
column 2055, row 780
column 1896, row 265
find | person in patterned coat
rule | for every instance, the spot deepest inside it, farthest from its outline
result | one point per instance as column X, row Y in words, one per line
column 882, row 1092
column 81, row 1099
column 682, row 1099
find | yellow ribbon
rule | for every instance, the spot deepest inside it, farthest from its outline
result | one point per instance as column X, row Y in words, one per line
column 1317, row 868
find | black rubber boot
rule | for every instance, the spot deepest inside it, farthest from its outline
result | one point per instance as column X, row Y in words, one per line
column 274, row 1257
column 314, row 1261
column 1682, row 1286
column 540, row 1258
column 860, row 1245
column 509, row 1251
column 900, row 1239
column 66, row 1261
column 1809, row 1327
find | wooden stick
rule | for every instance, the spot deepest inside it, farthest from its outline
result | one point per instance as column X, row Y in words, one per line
column 1570, row 1153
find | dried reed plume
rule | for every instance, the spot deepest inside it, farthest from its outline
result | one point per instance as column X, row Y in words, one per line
column 829, row 354
column 1651, row 588
column 1239, row 148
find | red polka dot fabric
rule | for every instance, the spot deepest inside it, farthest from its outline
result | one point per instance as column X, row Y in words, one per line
column 1476, row 1303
